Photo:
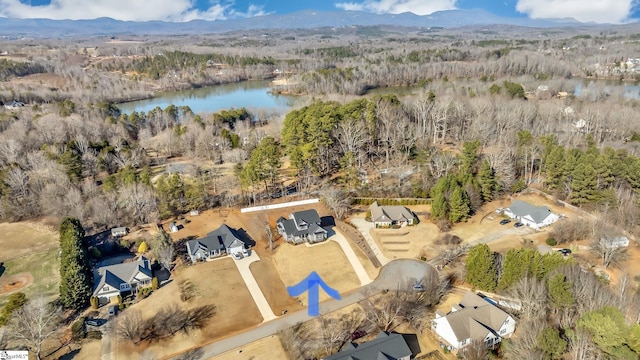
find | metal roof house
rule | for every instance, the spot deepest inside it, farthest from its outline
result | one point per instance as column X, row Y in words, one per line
column 531, row 215
column 386, row 346
column 473, row 319
column 302, row 226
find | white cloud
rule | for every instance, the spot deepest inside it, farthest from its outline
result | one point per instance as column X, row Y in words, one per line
column 419, row 7
column 601, row 11
column 133, row 10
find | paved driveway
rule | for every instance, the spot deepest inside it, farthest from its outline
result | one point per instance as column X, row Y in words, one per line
column 395, row 274
column 257, row 295
column 364, row 226
column 351, row 256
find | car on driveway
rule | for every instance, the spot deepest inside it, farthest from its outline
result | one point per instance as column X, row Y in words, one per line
column 358, row 334
column 518, row 224
column 92, row 322
column 418, row 287
column 504, row 221
column 113, row 310
column 565, row 252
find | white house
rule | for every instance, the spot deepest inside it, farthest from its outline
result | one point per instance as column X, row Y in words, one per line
column 474, row 319
column 113, row 280
column 302, row 226
column 531, row 215
column 614, row 242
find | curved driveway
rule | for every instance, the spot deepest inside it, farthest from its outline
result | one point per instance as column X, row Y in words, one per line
column 397, row 273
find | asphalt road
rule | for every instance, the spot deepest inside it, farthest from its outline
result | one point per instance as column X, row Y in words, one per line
column 395, row 274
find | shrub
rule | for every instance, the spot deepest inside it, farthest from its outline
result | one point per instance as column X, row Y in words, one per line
column 94, row 302
column 16, row 301
column 78, row 331
column 95, row 252
column 186, row 221
column 551, row 241
column 144, row 293
column 143, row 247
column 97, row 335
column 154, row 283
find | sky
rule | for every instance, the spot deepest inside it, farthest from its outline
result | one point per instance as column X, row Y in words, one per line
column 599, row 11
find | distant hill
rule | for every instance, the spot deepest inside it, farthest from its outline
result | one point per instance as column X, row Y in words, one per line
column 300, row 20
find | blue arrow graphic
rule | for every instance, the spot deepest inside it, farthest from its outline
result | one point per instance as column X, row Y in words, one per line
column 311, row 284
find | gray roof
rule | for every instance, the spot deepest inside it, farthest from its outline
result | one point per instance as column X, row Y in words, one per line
column 117, row 274
column 389, row 213
column 221, row 238
column 538, row 213
column 308, row 218
column 475, row 318
column 386, row 346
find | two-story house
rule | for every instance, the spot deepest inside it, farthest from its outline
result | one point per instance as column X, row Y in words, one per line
column 474, row 319
column 113, row 280
column 386, row 346
column 302, row 226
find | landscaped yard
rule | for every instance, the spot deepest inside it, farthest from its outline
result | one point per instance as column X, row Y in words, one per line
column 264, row 349
column 217, row 282
column 295, row 263
column 29, row 260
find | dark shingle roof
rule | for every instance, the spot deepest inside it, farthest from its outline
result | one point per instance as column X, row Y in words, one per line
column 218, row 239
column 306, row 217
column 386, row 346
column 114, row 275
column 537, row 213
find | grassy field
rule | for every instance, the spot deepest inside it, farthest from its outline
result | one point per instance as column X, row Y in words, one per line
column 33, row 249
column 264, row 349
column 294, row 263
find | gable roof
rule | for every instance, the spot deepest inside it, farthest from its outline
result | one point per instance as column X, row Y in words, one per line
column 476, row 318
column 389, row 213
column 537, row 213
column 218, row 239
column 386, row 346
column 306, row 217
column 114, row 275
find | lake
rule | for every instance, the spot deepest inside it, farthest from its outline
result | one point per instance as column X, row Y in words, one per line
column 210, row 99
column 595, row 88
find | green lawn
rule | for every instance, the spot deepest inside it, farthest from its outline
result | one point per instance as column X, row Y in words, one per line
column 45, row 269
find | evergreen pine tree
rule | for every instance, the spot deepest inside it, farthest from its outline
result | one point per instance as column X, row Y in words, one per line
column 75, row 274
column 439, row 206
column 481, row 268
column 487, row 180
column 459, row 206
column 584, row 184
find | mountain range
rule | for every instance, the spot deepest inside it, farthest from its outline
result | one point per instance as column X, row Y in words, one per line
column 46, row 28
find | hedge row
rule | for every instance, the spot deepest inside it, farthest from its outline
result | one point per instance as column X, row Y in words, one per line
column 369, row 201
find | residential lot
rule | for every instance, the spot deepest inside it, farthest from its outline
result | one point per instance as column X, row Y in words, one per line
column 295, row 263
column 216, row 282
column 29, row 259
column 264, row 349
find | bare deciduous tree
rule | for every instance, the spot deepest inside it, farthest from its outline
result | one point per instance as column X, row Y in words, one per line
column 34, row 323
column 532, row 294
column 607, row 251
column 337, row 200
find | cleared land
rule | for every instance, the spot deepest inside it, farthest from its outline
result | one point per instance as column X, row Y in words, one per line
column 29, row 260
column 264, row 349
column 327, row 259
column 217, row 283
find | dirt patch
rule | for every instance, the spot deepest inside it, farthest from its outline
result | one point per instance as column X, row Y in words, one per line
column 14, row 283
column 294, row 263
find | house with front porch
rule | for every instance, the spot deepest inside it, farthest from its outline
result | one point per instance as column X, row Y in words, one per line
column 474, row 319
column 302, row 226
column 120, row 279
column 224, row 240
column 387, row 216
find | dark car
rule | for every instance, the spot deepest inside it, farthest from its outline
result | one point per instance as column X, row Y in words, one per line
column 518, row 224
column 358, row 334
column 565, row 252
column 504, row 221
column 92, row 322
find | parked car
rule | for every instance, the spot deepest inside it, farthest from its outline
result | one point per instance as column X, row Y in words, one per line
column 237, row 256
column 358, row 334
column 92, row 322
column 113, row 310
column 518, row 224
column 565, row 252
column 504, row 221
column 418, row 287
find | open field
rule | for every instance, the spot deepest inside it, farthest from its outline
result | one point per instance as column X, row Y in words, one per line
column 327, row 259
column 218, row 283
column 29, row 260
column 264, row 349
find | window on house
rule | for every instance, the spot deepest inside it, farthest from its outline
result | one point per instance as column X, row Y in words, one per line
column 123, row 286
column 503, row 331
column 105, row 288
column 506, row 321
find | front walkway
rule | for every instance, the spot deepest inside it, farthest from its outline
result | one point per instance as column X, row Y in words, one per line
column 364, row 227
column 257, row 295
